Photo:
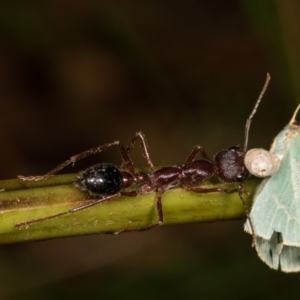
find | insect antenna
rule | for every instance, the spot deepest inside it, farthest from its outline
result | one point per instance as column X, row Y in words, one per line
column 247, row 128
column 249, row 120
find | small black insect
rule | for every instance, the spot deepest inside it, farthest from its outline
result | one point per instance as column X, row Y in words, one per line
column 105, row 181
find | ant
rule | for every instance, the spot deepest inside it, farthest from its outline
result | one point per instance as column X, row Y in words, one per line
column 105, row 181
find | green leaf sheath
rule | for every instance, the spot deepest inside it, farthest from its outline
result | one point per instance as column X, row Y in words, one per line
column 21, row 201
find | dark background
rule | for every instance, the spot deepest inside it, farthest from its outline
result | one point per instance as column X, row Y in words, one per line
column 76, row 74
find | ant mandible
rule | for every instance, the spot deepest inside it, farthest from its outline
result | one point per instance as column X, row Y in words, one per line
column 106, row 181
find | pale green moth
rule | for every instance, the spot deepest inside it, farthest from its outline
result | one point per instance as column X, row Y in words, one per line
column 275, row 213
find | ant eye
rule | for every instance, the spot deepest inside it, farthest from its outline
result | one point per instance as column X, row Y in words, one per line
column 240, row 177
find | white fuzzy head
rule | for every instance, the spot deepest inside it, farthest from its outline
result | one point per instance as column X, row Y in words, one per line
column 261, row 163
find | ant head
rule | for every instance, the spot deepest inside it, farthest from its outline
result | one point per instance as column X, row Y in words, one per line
column 230, row 165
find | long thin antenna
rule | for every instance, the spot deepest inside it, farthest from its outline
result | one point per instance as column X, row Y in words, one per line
column 248, row 123
column 294, row 115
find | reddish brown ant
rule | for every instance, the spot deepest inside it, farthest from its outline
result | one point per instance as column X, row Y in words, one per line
column 105, row 181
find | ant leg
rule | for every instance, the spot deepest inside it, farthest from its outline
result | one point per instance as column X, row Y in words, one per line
column 197, row 189
column 139, row 135
column 73, row 210
column 139, row 229
column 159, row 207
column 241, row 191
column 82, row 207
column 126, row 160
column 147, row 189
column 131, row 193
column 194, row 152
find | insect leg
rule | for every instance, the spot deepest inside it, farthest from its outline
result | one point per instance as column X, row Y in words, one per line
column 197, row 189
column 126, row 160
column 194, row 152
column 139, row 135
column 73, row 210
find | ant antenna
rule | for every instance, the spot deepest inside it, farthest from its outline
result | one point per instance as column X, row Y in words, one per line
column 247, row 128
column 248, row 123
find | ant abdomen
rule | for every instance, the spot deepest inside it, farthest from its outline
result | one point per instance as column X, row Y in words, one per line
column 101, row 179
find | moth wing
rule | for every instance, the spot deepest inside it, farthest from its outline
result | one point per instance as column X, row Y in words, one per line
column 264, row 249
column 276, row 214
column 292, row 235
column 268, row 213
column 277, row 255
column 290, row 255
column 290, row 259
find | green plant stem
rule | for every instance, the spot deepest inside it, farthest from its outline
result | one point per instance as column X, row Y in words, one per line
column 21, row 201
